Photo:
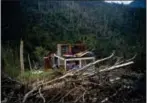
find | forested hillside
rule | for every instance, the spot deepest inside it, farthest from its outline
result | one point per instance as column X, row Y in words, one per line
column 103, row 27
column 42, row 24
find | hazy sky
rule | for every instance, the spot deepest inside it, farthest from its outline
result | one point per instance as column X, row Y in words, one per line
column 126, row 2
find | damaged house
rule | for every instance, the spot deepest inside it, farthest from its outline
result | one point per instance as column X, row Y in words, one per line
column 69, row 57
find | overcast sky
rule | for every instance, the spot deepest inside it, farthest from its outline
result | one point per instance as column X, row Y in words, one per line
column 126, row 2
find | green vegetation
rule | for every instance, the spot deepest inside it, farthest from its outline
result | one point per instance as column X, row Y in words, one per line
column 11, row 59
column 32, row 76
column 103, row 27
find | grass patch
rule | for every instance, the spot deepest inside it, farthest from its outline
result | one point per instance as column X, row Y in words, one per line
column 13, row 71
column 29, row 77
column 11, row 62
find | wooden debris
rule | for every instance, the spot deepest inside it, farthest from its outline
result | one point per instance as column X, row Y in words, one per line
column 58, row 82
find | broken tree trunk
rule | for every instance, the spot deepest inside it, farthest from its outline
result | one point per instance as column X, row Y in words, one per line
column 21, row 57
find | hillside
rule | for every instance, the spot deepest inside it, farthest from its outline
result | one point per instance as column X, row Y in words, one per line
column 101, row 26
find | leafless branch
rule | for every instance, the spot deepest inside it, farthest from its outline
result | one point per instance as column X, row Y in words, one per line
column 132, row 58
column 41, row 95
column 117, row 66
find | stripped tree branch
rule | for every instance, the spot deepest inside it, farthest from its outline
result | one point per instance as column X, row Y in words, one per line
column 116, row 66
column 132, row 58
column 41, row 95
column 97, row 61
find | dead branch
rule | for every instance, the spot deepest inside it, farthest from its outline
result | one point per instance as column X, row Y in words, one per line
column 116, row 66
column 119, row 61
column 95, row 62
column 41, row 95
column 35, row 88
column 78, row 98
column 68, row 93
column 84, row 96
column 37, row 83
column 54, row 85
column 131, row 58
column 27, row 94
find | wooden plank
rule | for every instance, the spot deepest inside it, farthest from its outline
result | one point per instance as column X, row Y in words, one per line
column 59, row 57
column 84, row 58
column 65, row 65
column 80, row 63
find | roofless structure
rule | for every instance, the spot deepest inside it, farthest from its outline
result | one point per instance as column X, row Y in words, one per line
column 70, row 56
